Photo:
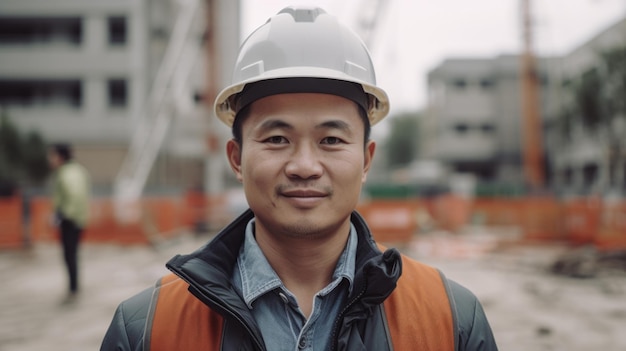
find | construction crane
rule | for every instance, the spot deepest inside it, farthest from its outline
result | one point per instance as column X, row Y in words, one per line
column 154, row 121
column 370, row 11
column 532, row 141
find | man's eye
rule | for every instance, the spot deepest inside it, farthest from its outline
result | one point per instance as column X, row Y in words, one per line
column 332, row 141
column 276, row 140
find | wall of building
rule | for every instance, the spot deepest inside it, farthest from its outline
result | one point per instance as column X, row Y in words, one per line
column 80, row 71
column 576, row 162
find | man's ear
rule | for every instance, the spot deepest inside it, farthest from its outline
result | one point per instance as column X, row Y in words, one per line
column 370, row 149
column 233, row 153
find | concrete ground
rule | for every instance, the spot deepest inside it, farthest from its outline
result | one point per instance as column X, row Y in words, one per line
column 529, row 308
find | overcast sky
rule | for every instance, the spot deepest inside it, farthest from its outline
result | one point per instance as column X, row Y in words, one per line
column 414, row 36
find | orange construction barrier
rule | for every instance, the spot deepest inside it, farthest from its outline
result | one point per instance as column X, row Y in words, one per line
column 577, row 221
column 581, row 220
column 612, row 234
column 104, row 227
column 452, row 211
column 497, row 211
column 11, row 231
column 391, row 221
column 41, row 219
column 542, row 219
column 195, row 208
column 161, row 219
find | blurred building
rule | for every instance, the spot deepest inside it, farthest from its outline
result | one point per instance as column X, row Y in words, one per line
column 473, row 117
column 581, row 156
column 83, row 71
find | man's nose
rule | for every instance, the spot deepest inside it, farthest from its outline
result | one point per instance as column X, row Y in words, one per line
column 304, row 163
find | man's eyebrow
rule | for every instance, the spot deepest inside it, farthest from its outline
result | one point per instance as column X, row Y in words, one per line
column 335, row 124
column 274, row 124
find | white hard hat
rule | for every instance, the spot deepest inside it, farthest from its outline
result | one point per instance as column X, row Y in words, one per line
column 302, row 50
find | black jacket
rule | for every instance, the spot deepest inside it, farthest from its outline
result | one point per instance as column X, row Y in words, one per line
column 361, row 326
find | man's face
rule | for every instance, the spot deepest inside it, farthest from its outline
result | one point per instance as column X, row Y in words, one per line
column 54, row 159
column 302, row 163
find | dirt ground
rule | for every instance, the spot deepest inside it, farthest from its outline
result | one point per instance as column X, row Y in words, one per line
column 529, row 307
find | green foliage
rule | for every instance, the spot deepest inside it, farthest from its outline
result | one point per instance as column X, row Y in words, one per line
column 402, row 143
column 588, row 99
column 22, row 160
column 599, row 93
column 35, row 159
column 10, row 143
column 614, row 83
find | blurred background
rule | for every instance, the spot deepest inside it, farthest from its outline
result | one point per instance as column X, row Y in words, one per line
column 505, row 150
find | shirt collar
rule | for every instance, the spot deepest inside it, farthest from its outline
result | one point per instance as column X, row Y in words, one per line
column 259, row 278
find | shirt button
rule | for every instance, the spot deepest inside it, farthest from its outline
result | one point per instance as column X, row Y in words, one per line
column 301, row 344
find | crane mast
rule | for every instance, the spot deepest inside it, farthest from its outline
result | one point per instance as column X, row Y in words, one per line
column 532, row 144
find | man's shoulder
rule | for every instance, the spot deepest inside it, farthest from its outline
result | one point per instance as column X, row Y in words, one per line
column 471, row 326
column 72, row 169
column 127, row 328
column 135, row 309
column 418, row 270
column 414, row 269
column 141, row 301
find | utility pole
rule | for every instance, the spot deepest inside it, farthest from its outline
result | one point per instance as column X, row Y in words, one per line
column 213, row 166
column 532, row 141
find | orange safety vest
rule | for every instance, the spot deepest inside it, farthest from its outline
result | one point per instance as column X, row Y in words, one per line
column 418, row 314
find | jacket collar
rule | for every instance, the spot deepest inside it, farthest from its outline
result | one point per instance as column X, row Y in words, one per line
column 208, row 271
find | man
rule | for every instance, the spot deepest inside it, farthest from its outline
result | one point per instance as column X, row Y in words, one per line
column 71, row 208
column 300, row 269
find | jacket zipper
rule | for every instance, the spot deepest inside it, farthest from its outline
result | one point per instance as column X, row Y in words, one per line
column 217, row 301
column 335, row 336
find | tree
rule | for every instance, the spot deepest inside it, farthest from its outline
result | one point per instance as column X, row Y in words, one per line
column 599, row 104
column 402, row 142
column 22, row 161
column 614, row 79
column 588, row 99
column 599, row 92
column 35, row 160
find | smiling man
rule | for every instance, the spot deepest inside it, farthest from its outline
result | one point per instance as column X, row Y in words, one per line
column 300, row 270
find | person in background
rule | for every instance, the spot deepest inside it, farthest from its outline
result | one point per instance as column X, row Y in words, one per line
column 70, row 196
column 300, row 269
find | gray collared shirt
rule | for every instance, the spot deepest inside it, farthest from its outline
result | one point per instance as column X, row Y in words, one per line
column 275, row 309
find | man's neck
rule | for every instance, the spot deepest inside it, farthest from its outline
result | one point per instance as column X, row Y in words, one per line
column 304, row 265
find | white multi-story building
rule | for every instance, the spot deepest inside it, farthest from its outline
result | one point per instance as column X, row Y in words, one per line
column 473, row 120
column 81, row 71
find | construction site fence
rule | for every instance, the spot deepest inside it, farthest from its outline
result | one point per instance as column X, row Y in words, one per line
column 161, row 217
column 580, row 221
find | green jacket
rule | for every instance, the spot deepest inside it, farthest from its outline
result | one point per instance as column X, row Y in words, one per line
column 71, row 188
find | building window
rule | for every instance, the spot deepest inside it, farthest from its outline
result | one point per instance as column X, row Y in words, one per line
column 487, row 128
column 118, row 93
column 40, row 30
column 568, row 176
column 486, row 83
column 590, row 174
column 459, row 83
column 41, row 93
column 117, row 30
column 461, row 128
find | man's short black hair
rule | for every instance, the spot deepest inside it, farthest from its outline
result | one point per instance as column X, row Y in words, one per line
column 63, row 150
